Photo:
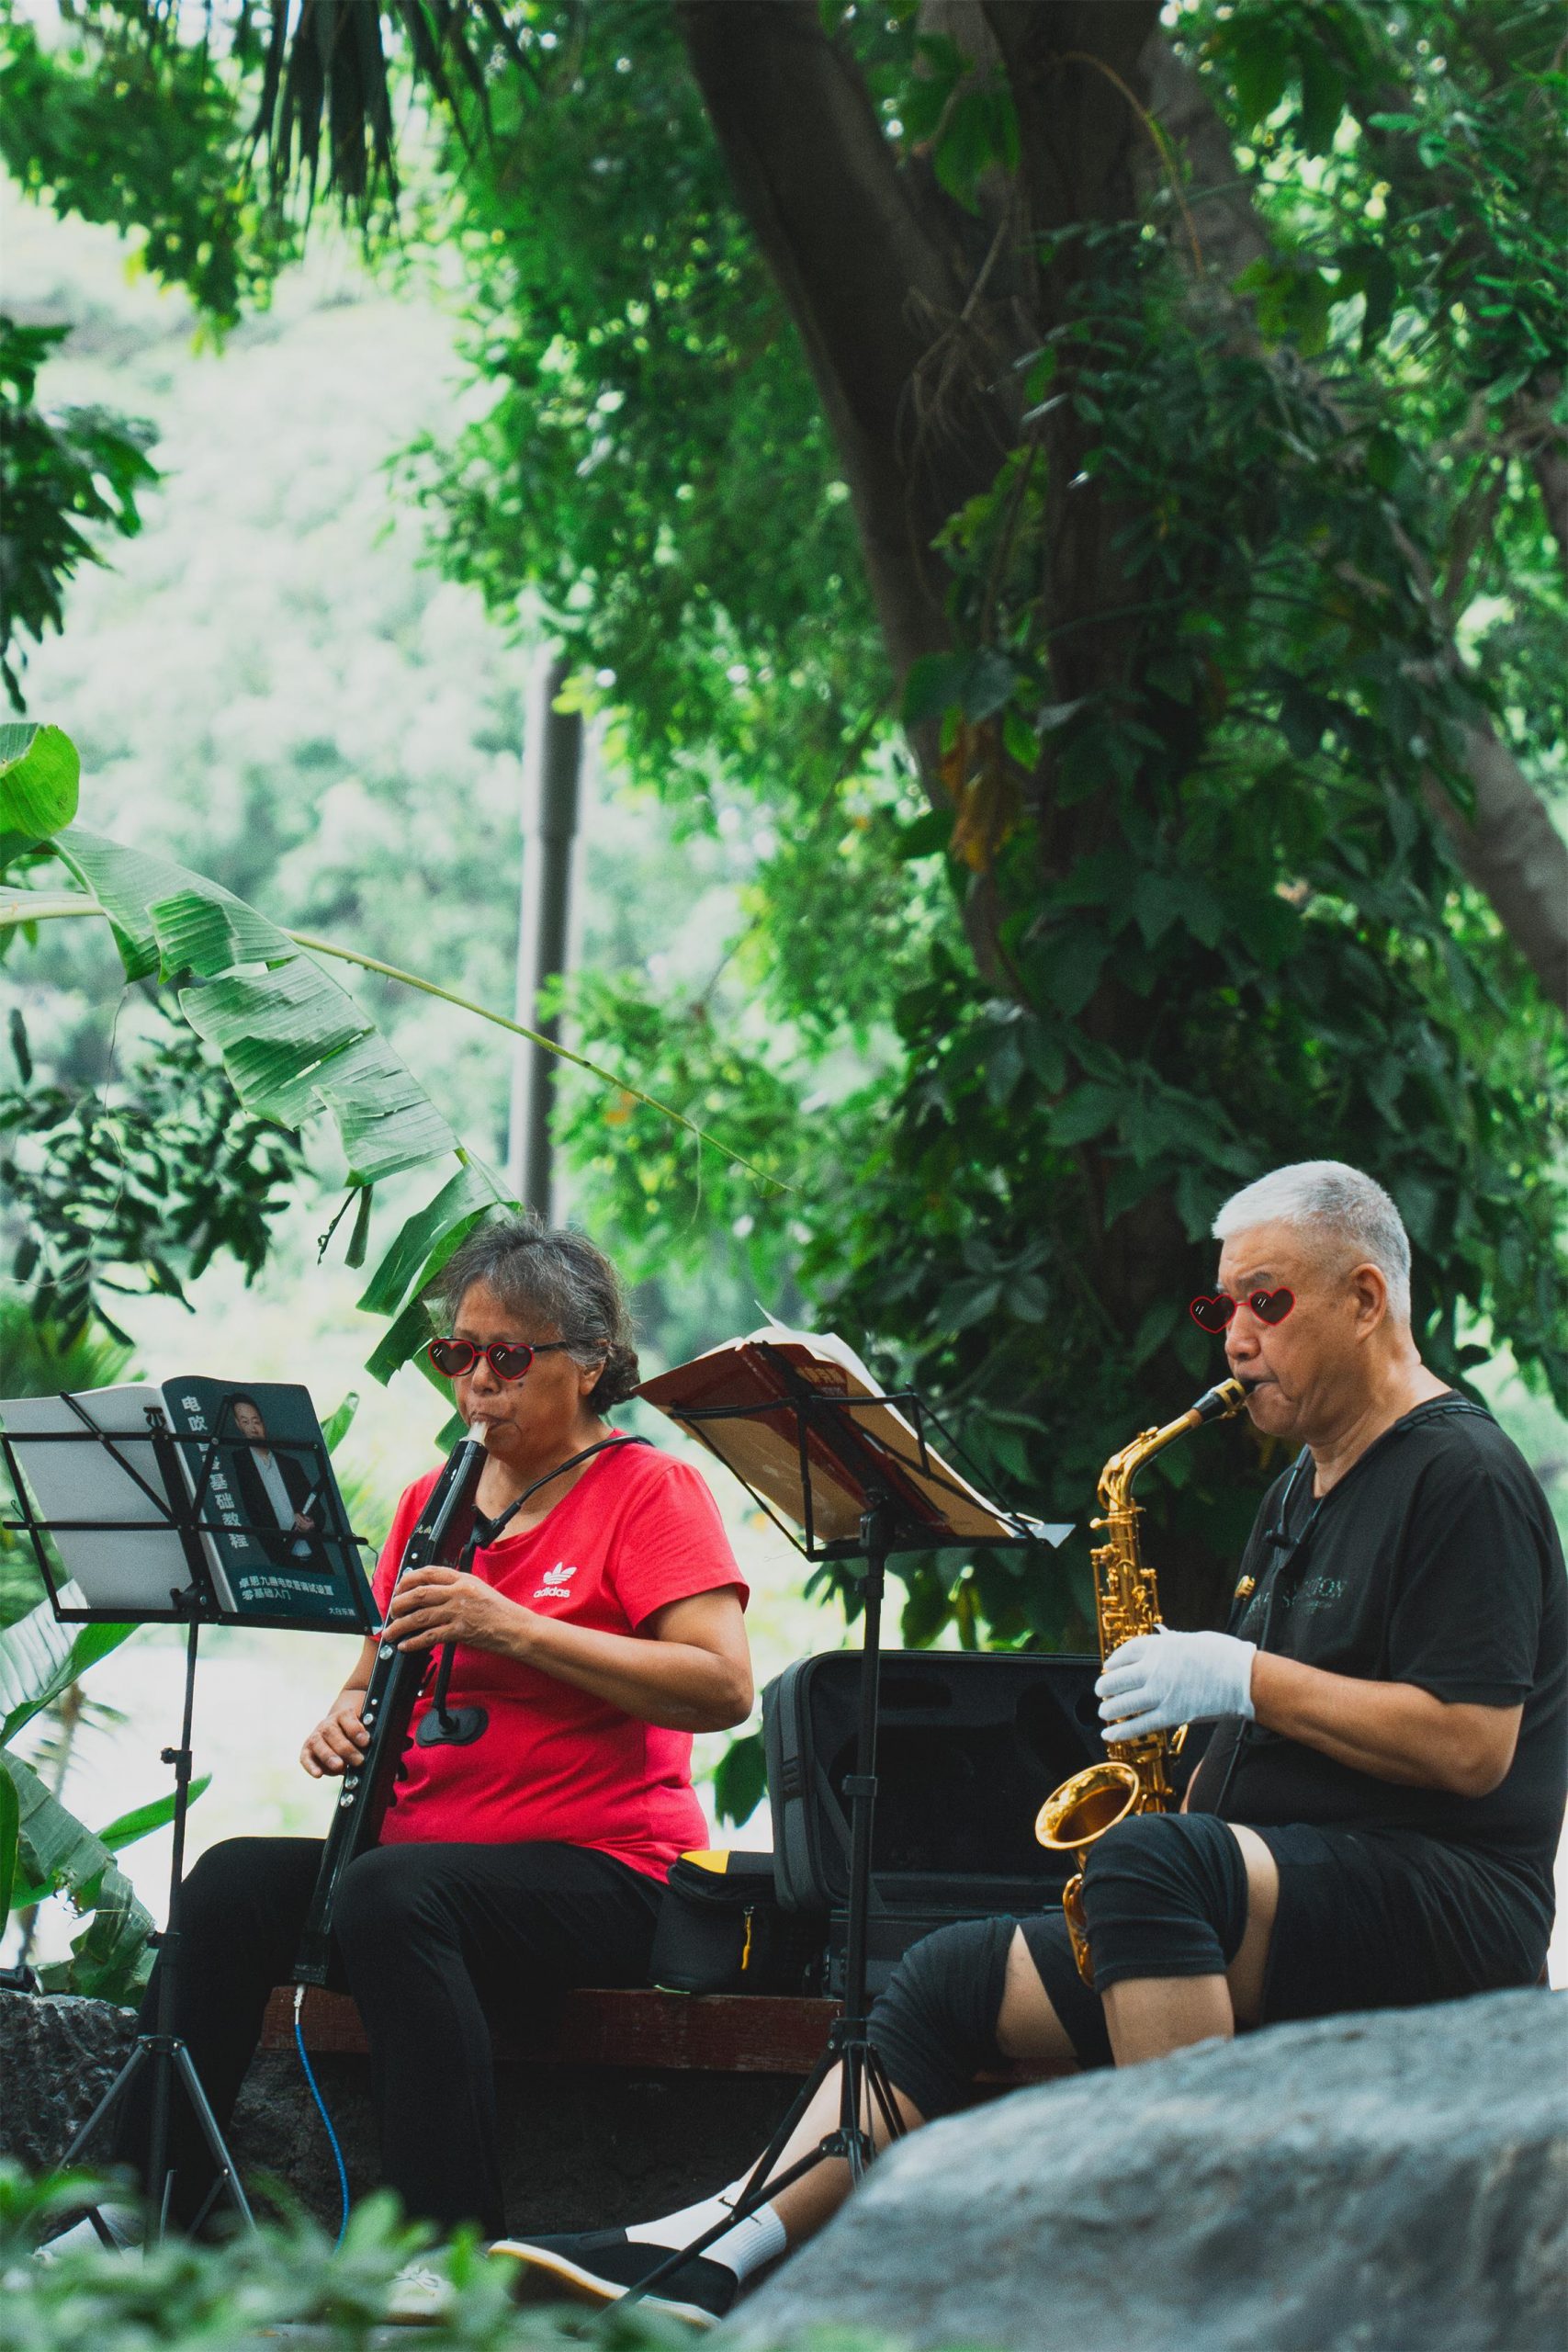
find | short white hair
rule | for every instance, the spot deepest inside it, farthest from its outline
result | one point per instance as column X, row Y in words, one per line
column 1338, row 1201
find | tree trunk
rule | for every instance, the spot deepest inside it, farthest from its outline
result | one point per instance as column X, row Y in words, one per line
column 873, row 280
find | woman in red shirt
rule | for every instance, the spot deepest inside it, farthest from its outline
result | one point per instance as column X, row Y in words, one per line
column 599, row 1627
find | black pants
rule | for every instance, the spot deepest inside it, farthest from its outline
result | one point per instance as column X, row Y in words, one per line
column 432, row 1942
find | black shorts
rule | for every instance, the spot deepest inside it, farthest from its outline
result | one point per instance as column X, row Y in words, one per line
column 1391, row 1919
column 1367, row 1919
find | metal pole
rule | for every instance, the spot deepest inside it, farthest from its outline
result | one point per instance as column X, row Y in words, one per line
column 551, row 793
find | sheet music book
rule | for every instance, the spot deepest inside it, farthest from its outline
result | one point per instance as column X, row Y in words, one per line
column 274, row 1532
column 763, row 1449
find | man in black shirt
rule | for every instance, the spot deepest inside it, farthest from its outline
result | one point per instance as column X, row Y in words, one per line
column 1375, row 1818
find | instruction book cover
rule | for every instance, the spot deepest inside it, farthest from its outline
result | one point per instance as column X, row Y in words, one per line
column 275, row 1536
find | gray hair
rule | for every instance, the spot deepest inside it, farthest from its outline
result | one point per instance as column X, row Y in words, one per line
column 1339, row 1201
column 555, row 1276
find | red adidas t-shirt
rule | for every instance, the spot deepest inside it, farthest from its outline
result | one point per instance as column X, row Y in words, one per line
column 555, row 1764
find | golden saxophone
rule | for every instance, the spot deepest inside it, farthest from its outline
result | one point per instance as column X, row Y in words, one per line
column 1126, row 1601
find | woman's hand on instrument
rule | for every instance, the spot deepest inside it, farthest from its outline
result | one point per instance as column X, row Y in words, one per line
column 339, row 1740
column 1158, row 1680
column 430, row 1606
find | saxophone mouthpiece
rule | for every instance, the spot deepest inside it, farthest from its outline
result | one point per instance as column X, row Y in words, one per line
column 1227, row 1398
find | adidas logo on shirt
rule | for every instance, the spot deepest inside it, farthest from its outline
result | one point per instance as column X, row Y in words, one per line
column 555, row 1581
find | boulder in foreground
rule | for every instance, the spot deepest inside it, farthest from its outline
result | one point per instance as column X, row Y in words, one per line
column 1396, row 2182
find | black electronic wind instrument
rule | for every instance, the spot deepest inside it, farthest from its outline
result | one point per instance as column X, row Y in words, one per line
column 436, row 1541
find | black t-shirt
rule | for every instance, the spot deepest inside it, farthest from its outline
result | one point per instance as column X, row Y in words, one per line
column 1433, row 1561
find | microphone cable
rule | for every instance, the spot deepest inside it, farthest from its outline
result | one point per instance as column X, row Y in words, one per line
column 326, row 2119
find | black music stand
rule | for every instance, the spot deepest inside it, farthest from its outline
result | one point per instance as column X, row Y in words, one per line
column 175, row 1521
column 897, row 1517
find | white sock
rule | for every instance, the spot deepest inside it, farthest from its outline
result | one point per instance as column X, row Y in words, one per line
column 758, row 2239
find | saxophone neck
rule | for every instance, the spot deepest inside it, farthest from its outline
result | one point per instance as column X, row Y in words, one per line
column 1217, row 1404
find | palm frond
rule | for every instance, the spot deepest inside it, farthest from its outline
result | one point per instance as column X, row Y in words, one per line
column 327, row 68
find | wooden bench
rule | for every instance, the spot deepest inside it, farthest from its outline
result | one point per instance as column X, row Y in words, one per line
column 637, row 2029
column 724, row 2033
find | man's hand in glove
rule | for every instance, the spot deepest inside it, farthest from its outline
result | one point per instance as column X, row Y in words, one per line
column 1158, row 1680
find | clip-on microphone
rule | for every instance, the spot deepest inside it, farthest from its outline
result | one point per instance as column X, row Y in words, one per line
column 441, row 1725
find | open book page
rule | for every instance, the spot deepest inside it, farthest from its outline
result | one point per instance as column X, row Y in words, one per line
column 848, row 1451
column 130, row 1557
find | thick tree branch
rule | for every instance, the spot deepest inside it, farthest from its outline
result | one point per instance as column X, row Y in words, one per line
column 857, row 247
column 1513, row 855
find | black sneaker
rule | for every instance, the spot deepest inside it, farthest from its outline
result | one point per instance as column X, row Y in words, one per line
column 602, row 2266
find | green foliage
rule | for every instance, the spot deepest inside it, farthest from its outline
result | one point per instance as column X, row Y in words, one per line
column 651, row 1181
column 184, row 2297
column 1420, row 223
column 56, row 1854
column 40, row 1657
column 740, row 1778
column 293, row 1044
column 41, row 773
column 137, row 1194
column 181, row 2296
column 1176, row 909
column 10, row 1840
column 152, row 138
column 652, row 464
column 60, row 469
column 1249, row 949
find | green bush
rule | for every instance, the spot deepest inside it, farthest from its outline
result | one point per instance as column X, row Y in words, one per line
column 221, row 2298
column 186, row 2297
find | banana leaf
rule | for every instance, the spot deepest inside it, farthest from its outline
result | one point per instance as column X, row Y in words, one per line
column 143, row 1819
column 10, row 1833
column 60, row 1854
column 294, row 1043
column 39, row 1658
column 123, row 1831
column 292, row 1040
column 336, row 1426
column 39, row 774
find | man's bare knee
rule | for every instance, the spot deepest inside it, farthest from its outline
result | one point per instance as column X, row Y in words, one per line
column 1249, row 1970
column 1029, row 2031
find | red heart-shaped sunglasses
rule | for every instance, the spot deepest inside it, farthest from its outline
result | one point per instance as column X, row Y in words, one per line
column 454, row 1358
column 1212, row 1313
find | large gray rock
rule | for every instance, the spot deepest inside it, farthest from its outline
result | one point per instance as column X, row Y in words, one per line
column 1393, row 2183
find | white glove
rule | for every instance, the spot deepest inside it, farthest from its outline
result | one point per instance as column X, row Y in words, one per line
column 1158, row 1680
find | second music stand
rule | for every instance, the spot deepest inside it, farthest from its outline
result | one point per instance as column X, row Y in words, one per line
column 165, row 1521
column 900, row 1498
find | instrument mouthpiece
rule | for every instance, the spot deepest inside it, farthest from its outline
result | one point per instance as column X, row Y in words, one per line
column 1228, row 1396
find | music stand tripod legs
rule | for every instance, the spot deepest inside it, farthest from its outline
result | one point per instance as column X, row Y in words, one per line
column 173, row 2068
column 867, row 2094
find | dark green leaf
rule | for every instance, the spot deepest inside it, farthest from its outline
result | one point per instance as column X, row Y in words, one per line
column 143, row 1819
column 740, row 1780
column 1323, row 98
column 40, row 776
column 934, row 685
column 1087, row 1110
column 926, row 836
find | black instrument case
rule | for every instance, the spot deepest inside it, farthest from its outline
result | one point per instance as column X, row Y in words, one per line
column 970, row 1744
